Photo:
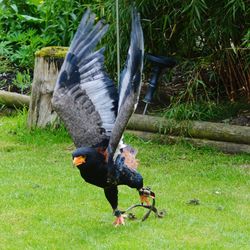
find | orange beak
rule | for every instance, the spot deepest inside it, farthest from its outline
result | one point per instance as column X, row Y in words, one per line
column 79, row 160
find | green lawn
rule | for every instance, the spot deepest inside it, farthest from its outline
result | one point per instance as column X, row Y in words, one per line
column 46, row 205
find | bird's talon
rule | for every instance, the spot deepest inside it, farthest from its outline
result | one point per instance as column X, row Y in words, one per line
column 145, row 199
column 119, row 221
column 145, row 193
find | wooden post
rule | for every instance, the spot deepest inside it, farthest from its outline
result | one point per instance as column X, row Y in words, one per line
column 48, row 62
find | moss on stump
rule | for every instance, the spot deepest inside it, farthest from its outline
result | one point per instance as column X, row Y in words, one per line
column 52, row 52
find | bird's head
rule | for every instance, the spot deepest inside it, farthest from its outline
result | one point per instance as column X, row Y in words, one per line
column 85, row 156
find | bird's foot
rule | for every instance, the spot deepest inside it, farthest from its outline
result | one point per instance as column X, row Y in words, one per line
column 146, row 193
column 119, row 218
column 119, row 221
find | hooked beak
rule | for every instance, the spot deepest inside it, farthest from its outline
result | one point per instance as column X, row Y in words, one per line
column 79, row 160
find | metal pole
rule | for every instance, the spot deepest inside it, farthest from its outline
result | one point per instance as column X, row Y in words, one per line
column 118, row 41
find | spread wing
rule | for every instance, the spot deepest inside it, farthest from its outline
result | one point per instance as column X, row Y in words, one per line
column 130, row 83
column 85, row 98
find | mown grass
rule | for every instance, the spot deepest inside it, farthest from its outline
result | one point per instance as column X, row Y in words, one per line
column 46, row 205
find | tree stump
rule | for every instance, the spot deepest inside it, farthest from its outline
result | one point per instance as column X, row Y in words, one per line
column 48, row 62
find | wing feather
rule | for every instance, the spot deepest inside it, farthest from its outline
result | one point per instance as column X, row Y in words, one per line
column 130, row 83
column 85, row 97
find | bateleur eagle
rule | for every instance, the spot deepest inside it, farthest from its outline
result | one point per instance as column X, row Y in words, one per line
column 96, row 113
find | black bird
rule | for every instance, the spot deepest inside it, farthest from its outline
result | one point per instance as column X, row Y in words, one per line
column 96, row 113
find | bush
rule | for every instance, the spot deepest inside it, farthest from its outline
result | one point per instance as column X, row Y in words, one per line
column 199, row 31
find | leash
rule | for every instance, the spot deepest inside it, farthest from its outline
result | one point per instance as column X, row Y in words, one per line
column 151, row 208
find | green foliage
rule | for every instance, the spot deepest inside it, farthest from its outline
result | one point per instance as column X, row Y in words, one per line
column 199, row 31
column 24, row 45
column 171, row 27
column 16, row 41
column 5, row 50
column 203, row 111
column 191, row 28
column 22, row 80
column 46, row 205
column 5, row 64
column 246, row 40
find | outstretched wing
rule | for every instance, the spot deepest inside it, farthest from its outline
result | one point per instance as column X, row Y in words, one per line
column 85, row 98
column 130, row 83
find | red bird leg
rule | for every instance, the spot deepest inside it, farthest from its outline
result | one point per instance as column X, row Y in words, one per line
column 145, row 193
column 119, row 218
column 111, row 194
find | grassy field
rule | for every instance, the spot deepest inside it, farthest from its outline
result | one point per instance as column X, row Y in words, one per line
column 46, row 205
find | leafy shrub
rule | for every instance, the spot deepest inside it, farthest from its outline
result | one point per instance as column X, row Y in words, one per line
column 22, row 80
column 197, row 31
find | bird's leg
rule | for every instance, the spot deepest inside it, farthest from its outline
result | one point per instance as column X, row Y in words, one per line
column 145, row 193
column 111, row 171
column 119, row 218
column 111, row 194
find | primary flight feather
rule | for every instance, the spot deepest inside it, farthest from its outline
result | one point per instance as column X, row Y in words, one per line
column 96, row 113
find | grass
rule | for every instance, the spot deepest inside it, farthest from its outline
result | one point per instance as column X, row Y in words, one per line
column 46, row 205
column 204, row 111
